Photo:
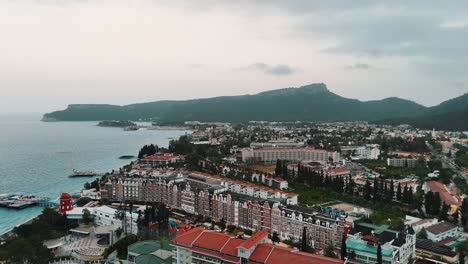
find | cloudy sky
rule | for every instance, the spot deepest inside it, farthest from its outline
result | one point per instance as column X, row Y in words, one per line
column 56, row 52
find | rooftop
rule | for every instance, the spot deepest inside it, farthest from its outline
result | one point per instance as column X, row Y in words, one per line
column 440, row 228
column 362, row 246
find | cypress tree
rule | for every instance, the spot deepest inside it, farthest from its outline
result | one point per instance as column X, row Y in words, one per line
column 343, row 248
column 429, row 202
column 464, row 211
column 367, row 191
column 375, row 190
column 304, row 240
column 391, row 190
column 436, row 204
column 443, row 214
column 278, row 168
column 399, row 192
column 379, row 254
column 404, row 198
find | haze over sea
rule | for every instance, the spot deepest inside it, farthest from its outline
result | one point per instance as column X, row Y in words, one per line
column 37, row 157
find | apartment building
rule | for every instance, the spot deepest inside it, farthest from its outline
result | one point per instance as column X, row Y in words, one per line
column 206, row 246
column 402, row 163
column 238, row 203
column 291, row 154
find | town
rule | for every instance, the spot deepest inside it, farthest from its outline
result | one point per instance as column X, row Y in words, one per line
column 267, row 192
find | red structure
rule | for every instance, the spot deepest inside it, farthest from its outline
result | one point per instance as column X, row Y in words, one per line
column 65, row 203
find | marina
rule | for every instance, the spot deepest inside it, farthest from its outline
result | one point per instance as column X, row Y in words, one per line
column 18, row 201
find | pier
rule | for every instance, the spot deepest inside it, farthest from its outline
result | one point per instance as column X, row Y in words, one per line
column 16, row 201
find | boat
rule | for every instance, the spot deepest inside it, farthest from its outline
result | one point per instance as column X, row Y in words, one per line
column 18, row 201
column 76, row 173
column 131, row 128
column 127, row 157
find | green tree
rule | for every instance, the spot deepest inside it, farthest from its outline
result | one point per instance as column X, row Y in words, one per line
column 304, row 240
column 367, row 191
column 86, row 218
column 422, row 234
column 464, row 211
column 343, row 248
column 379, row 254
column 443, row 214
column 275, row 238
column 398, row 194
column 329, row 251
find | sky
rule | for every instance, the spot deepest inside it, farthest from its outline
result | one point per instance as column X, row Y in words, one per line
column 59, row 52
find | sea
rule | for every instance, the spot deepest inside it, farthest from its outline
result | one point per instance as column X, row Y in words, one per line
column 37, row 157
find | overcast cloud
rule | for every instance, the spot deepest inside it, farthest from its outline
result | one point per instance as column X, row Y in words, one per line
column 56, row 52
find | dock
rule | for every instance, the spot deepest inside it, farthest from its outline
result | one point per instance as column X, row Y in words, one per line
column 15, row 201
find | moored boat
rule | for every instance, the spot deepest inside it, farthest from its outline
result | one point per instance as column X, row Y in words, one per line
column 76, row 173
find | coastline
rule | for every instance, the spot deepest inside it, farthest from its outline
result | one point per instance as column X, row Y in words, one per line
column 9, row 232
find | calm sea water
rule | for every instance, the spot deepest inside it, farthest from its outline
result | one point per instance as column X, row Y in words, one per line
column 37, row 157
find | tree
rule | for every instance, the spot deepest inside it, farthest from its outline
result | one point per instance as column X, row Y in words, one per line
column 350, row 186
column 343, row 248
column 461, row 256
column 436, row 204
column 275, row 238
column 278, row 168
column 422, row 234
column 398, row 194
column 304, row 240
column 379, row 254
column 392, row 190
column 443, row 214
column 367, row 191
column 464, row 211
column 375, row 190
column 86, row 218
column 329, row 251
column 222, row 224
column 429, row 202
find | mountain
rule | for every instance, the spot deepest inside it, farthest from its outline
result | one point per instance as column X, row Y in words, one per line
column 449, row 115
column 312, row 102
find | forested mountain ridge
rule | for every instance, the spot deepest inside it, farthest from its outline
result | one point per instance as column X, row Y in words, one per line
column 312, row 102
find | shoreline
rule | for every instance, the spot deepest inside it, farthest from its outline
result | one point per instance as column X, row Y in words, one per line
column 9, row 232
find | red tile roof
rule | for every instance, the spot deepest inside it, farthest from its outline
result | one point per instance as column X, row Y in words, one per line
column 224, row 246
column 272, row 254
column 436, row 186
column 161, row 157
column 212, row 240
column 188, row 237
column 254, row 239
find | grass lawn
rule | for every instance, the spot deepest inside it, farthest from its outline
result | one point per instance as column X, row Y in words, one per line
column 311, row 196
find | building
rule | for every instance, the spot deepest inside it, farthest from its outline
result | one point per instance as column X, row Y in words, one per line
column 427, row 249
column 242, row 204
column 151, row 251
column 281, row 143
column 418, row 224
column 397, row 247
column 441, row 231
column 369, row 151
column 402, row 163
column 448, row 196
column 291, row 154
column 160, row 159
column 106, row 216
column 207, row 246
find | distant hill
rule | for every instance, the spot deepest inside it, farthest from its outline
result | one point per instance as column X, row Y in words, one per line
column 449, row 115
column 313, row 102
